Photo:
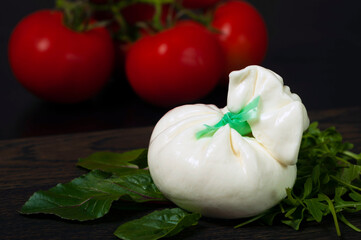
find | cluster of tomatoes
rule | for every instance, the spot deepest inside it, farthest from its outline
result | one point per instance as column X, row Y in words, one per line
column 173, row 51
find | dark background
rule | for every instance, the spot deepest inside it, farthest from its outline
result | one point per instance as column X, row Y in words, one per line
column 315, row 45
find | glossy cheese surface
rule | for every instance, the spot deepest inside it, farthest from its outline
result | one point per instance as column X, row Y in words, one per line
column 228, row 175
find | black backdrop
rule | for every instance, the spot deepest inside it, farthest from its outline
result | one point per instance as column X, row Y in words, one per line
column 315, row 45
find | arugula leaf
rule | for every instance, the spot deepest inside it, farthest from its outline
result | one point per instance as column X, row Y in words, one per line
column 355, row 196
column 91, row 195
column 119, row 163
column 345, row 221
column 316, row 208
column 328, row 182
column 331, row 207
column 294, row 223
column 251, row 220
column 158, row 224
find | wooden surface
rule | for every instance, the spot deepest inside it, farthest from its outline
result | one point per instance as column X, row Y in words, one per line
column 32, row 164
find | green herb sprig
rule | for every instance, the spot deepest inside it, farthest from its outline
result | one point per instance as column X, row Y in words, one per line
column 328, row 184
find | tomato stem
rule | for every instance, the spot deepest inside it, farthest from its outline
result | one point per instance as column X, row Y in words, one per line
column 76, row 14
column 157, row 22
column 123, row 26
column 204, row 19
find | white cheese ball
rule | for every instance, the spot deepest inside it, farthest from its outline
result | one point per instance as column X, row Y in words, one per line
column 228, row 175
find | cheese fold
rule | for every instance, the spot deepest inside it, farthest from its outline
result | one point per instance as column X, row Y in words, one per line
column 229, row 175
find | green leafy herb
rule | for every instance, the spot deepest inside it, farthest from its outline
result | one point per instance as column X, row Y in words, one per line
column 158, row 224
column 328, row 182
column 91, row 195
column 119, row 163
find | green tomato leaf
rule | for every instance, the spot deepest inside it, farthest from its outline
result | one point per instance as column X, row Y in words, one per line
column 158, row 224
column 119, row 163
column 91, row 195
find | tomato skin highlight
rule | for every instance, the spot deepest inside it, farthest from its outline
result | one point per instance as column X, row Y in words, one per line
column 242, row 34
column 176, row 66
column 59, row 64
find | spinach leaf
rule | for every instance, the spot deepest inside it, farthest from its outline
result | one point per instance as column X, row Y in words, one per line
column 91, row 195
column 119, row 163
column 328, row 184
column 158, row 224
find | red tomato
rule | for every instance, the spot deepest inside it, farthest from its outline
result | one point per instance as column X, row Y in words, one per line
column 243, row 34
column 198, row 3
column 56, row 63
column 178, row 65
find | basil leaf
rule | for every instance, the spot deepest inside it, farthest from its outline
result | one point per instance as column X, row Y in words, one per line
column 158, row 224
column 91, row 195
column 140, row 187
column 120, row 163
